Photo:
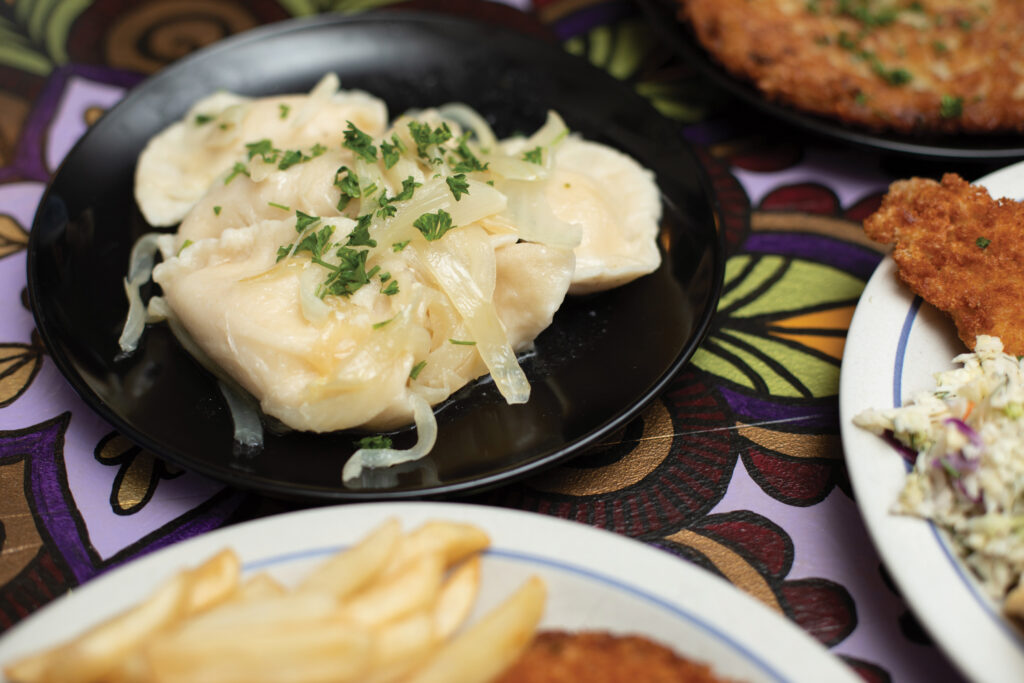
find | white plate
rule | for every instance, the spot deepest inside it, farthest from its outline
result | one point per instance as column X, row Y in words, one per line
column 895, row 345
column 596, row 580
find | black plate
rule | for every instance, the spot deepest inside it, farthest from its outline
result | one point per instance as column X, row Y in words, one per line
column 663, row 17
column 604, row 357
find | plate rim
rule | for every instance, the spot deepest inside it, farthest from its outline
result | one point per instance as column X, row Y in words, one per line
column 918, row 557
column 783, row 650
column 289, row 490
column 679, row 36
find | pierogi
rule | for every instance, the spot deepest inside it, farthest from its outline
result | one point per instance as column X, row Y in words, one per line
column 350, row 274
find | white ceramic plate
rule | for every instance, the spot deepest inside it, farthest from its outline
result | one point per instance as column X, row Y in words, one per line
column 895, row 345
column 596, row 580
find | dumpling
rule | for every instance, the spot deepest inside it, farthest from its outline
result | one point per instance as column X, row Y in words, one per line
column 178, row 165
column 616, row 203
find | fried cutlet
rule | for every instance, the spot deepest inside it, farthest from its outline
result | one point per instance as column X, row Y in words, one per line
column 961, row 251
column 598, row 657
column 912, row 66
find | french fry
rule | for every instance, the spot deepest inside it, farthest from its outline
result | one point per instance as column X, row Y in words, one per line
column 327, row 649
column 412, row 588
column 488, row 647
column 455, row 601
column 382, row 611
column 455, row 541
column 346, row 572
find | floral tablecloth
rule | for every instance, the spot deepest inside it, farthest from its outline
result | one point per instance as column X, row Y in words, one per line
column 738, row 467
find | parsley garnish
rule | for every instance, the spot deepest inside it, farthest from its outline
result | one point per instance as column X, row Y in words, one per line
column 348, row 276
column 382, row 323
column 203, row 118
column 458, row 185
column 460, row 342
column 399, row 246
column 424, row 137
column 279, row 206
column 386, row 210
column 316, row 242
column 391, row 289
column 349, row 186
column 360, row 143
column 417, row 369
column 534, row 156
column 216, row 210
column 391, row 151
column 983, row 242
column 951, row 107
column 360, row 235
column 434, row 225
column 264, row 148
column 184, row 245
column 290, row 158
column 284, row 109
column 376, row 441
column 469, row 161
column 304, row 220
column 239, row 167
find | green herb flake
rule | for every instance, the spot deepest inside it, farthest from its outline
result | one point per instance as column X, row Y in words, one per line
column 279, row 206
column 983, row 242
column 262, row 148
column 304, row 220
column 399, row 246
column 534, row 156
column 460, row 342
column 316, row 243
column 237, row 169
column 391, row 289
column 417, row 369
column 382, row 323
column 284, row 251
column 348, row 276
column 375, row 441
column 951, row 107
column 184, row 245
column 425, row 138
column 458, row 185
column 360, row 235
column 433, row 226
column 283, row 109
column 216, row 210
column 291, row 157
column 200, row 119
column 939, row 47
column 391, row 151
column 360, row 143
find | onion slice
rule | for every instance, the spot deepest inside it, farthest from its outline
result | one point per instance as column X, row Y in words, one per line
column 426, row 435
column 140, row 270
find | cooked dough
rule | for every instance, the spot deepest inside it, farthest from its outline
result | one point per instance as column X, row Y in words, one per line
column 961, row 250
column 905, row 65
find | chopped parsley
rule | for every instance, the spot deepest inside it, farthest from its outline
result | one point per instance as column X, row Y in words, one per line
column 983, row 242
column 216, row 210
column 360, row 235
column 264, row 148
column 391, row 289
column 458, row 185
column 461, row 342
column 184, row 245
column 360, row 143
column 349, row 186
column 417, row 369
column 279, row 206
column 434, row 225
column 238, row 168
column 375, row 441
column 304, row 220
column 391, row 151
column 203, row 118
column 348, row 276
column 469, row 162
column 534, row 156
column 425, row 138
column 284, row 109
column 382, row 323
column 399, row 246
column 951, row 107
column 386, row 203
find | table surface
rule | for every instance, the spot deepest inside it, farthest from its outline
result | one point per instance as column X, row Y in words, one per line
column 737, row 467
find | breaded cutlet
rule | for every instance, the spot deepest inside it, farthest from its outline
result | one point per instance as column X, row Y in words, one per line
column 599, row 657
column 961, row 251
column 911, row 66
